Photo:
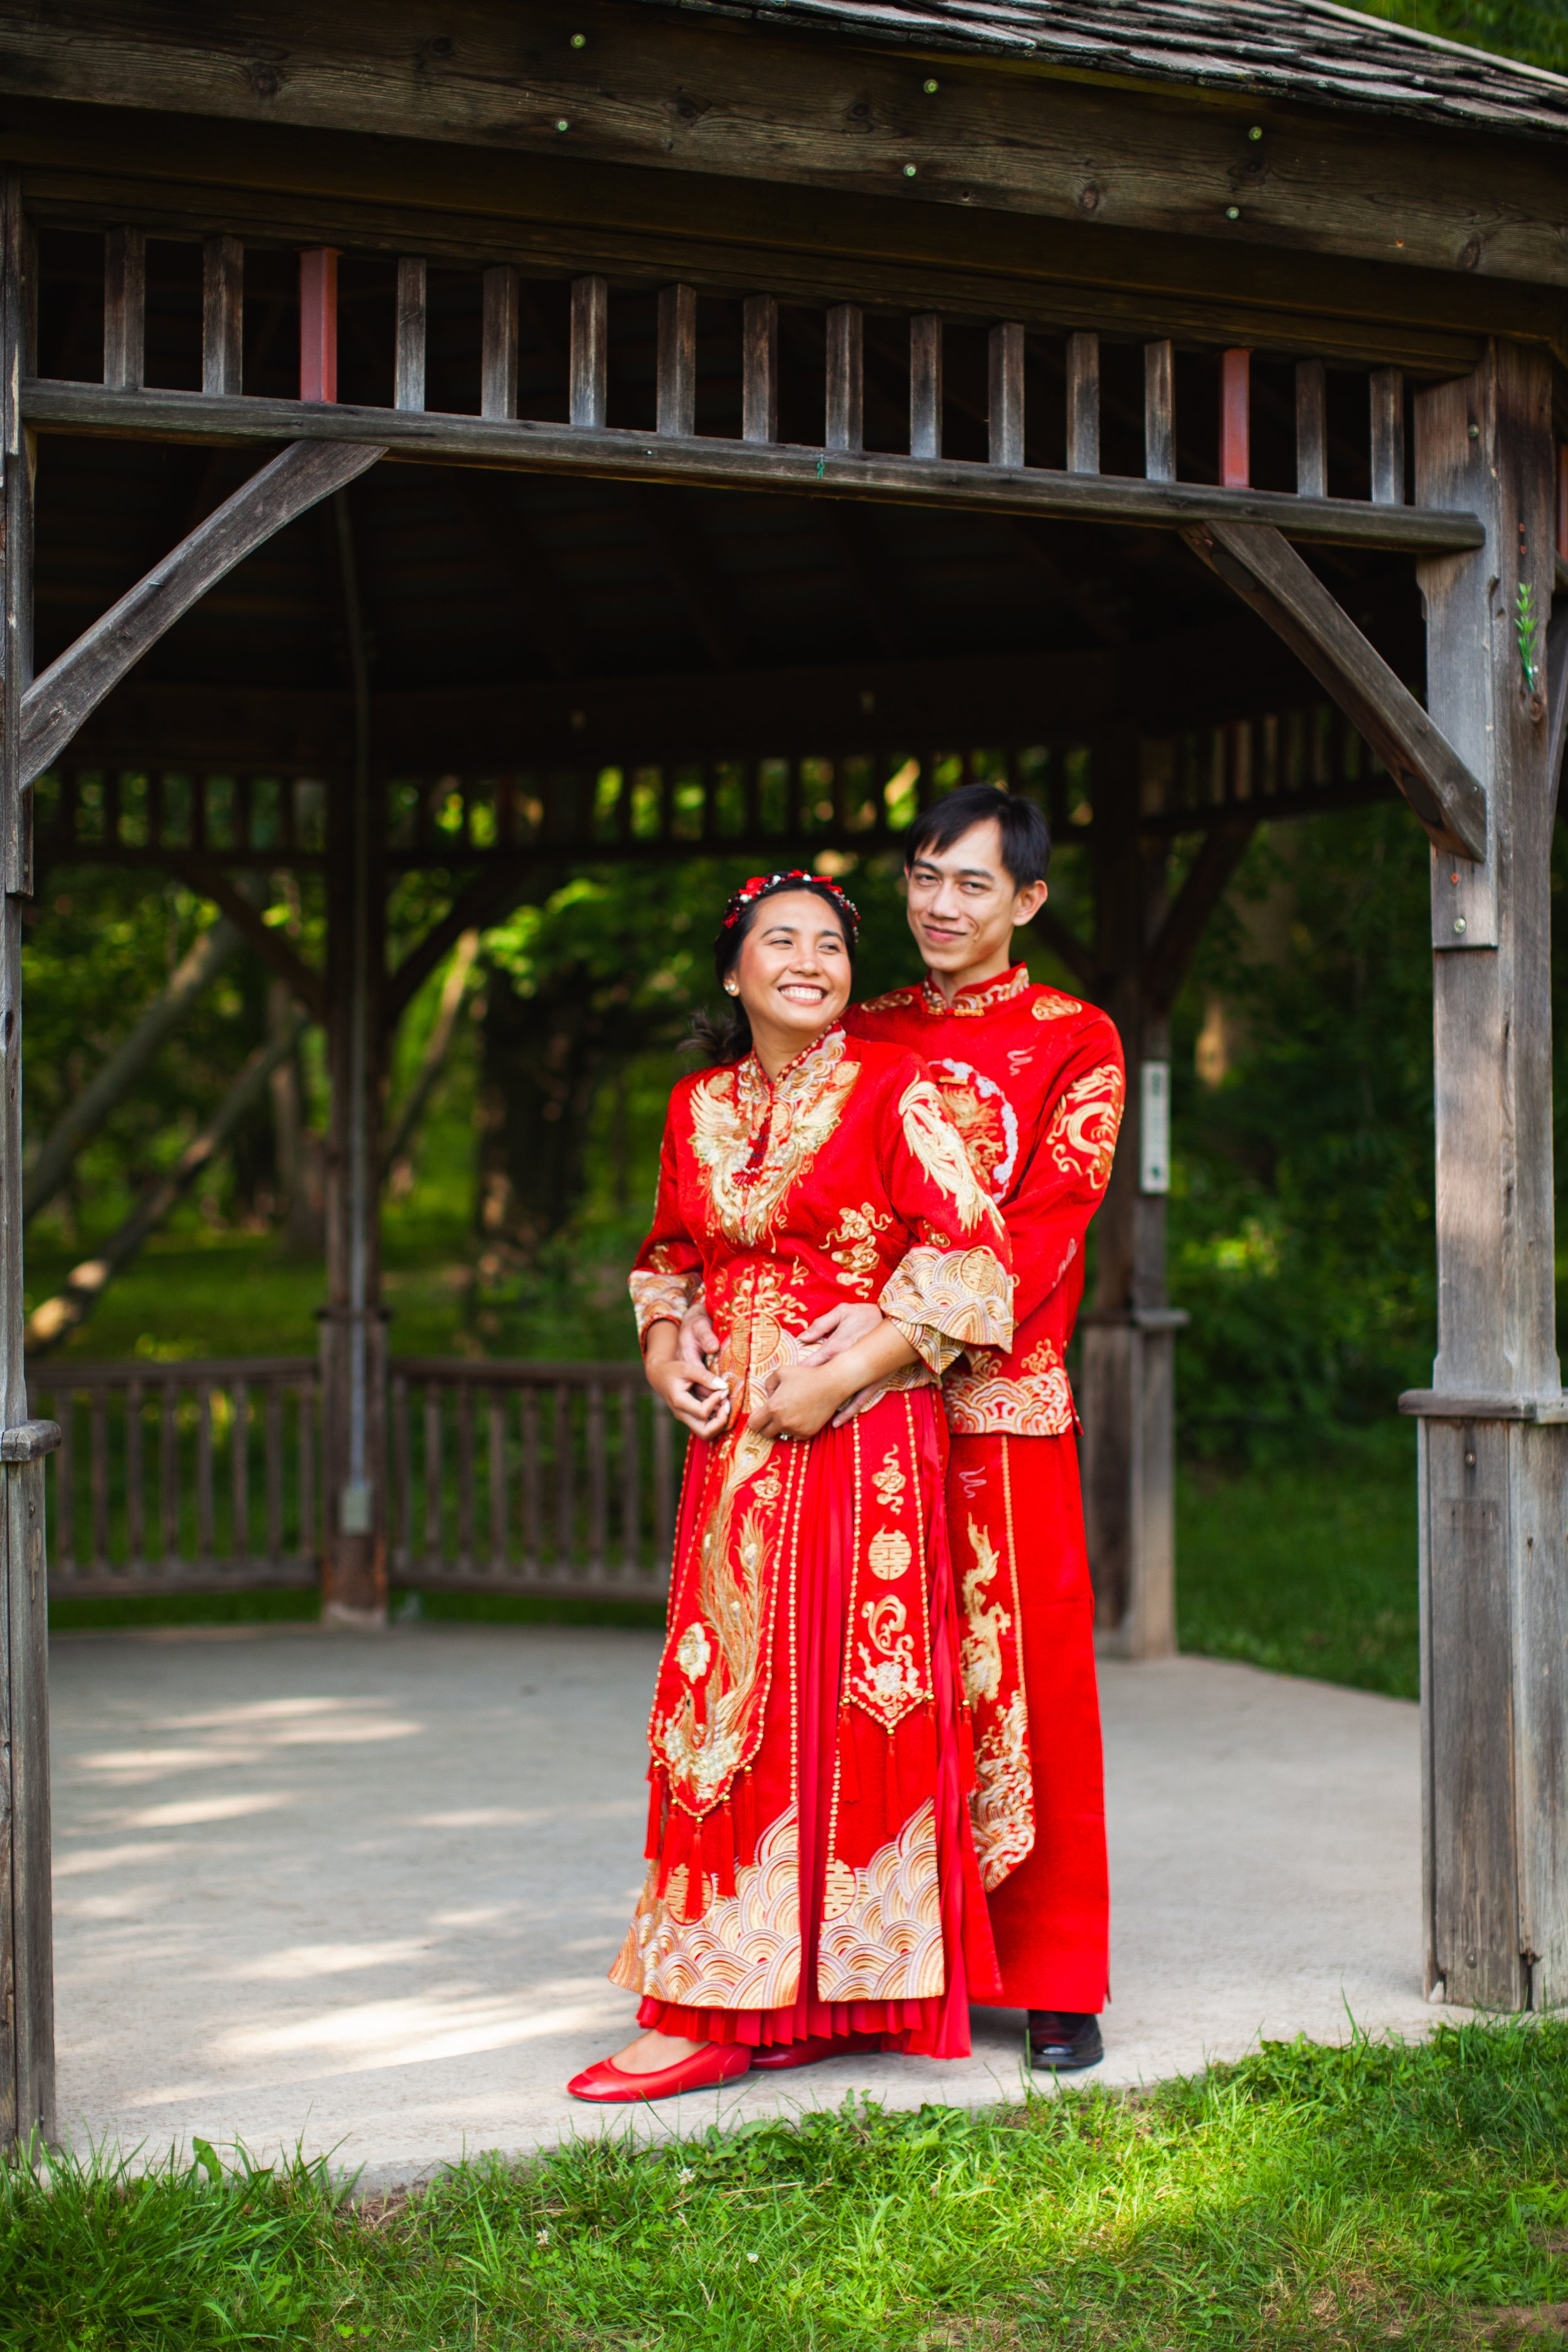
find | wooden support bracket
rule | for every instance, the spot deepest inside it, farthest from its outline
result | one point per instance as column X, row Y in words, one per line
column 205, row 876
column 1265, row 571
column 486, row 899
column 1176, row 941
column 55, row 706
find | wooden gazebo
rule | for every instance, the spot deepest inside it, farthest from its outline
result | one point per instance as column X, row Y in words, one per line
column 737, row 396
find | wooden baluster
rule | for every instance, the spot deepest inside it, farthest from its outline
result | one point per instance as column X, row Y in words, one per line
column 413, row 333
column 273, row 1442
column 97, row 1473
column 239, row 1473
column 125, row 309
column 599, row 1480
column 925, row 385
column 205, row 1545
column 1385, row 390
column 1083, row 403
column 495, row 1414
column 169, row 1473
column 309, row 1405
column 65, row 1483
column 846, row 407
column 663, row 1489
column 590, row 351
column 676, row 408
column 1160, row 412
column 1312, row 429
column 434, row 1547
column 319, row 323
column 532, row 1514
column 402, row 1477
column 466, row 1477
column 759, row 368
column 223, row 315
column 1235, row 420
column 631, row 1490
column 566, row 1485
column 135, row 1498
column 498, row 349
column 1007, row 406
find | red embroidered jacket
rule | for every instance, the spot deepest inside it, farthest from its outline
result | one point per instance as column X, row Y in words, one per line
column 1033, row 1080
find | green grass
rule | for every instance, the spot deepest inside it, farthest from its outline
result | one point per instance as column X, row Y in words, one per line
column 1308, row 1568
column 1307, row 2197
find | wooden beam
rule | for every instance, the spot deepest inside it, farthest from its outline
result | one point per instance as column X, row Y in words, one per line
column 1312, row 429
column 588, row 391
column 206, row 876
column 925, row 384
column 1235, row 419
column 223, row 316
column 1083, row 403
column 1160, row 412
column 1386, row 397
column 432, row 438
column 1266, row 571
column 486, row 899
column 676, row 397
column 1176, row 941
column 498, row 349
column 845, row 430
column 413, row 332
column 759, row 368
column 72, row 686
column 319, row 323
column 1006, row 406
column 125, row 308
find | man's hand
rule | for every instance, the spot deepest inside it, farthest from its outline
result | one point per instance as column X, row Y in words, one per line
column 698, row 1339
column 698, row 1398
column 842, row 1327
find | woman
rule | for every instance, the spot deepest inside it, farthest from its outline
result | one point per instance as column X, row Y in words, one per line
column 811, row 1886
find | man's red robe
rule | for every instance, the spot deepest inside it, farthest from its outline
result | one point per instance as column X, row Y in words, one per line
column 1034, row 1082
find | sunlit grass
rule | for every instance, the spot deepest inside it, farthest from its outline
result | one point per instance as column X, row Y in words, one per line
column 1375, row 2194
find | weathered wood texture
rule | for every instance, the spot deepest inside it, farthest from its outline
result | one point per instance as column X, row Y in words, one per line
column 26, row 1994
column 653, row 89
column 54, row 707
column 1267, row 574
column 1495, row 1578
column 842, row 470
column 223, row 315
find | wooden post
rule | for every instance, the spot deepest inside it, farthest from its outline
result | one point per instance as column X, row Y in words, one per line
column 26, row 1963
column 352, row 1330
column 1128, row 1382
column 1494, row 1446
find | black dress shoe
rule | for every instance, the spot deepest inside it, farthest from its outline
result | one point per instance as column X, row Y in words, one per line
column 1063, row 2041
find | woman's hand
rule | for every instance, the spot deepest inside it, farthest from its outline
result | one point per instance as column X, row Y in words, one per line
column 698, row 1398
column 805, row 1397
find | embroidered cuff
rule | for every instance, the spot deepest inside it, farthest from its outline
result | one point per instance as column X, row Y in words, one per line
column 947, row 1301
column 661, row 1297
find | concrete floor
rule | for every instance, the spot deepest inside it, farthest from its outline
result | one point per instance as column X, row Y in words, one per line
column 359, row 1894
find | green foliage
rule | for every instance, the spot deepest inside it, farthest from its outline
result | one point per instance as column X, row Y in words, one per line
column 1307, row 2197
column 1534, row 31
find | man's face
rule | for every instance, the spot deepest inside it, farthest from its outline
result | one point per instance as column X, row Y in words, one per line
column 963, row 904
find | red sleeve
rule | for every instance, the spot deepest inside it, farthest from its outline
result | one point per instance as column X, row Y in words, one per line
column 952, row 1289
column 1063, row 1181
column 669, row 1272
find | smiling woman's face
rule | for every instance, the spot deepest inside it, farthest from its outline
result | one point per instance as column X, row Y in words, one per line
column 793, row 970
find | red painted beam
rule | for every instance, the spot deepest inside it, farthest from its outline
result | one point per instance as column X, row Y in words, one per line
column 1236, row 420
column 319, row 323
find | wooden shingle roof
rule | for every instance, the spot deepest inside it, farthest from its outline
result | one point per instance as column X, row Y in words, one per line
column 1308, row 50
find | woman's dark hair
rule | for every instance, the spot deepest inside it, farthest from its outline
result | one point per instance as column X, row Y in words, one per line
column 1025, row 835
column 729, row 1038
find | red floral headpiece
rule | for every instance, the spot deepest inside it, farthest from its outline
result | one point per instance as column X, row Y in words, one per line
column 760, row 883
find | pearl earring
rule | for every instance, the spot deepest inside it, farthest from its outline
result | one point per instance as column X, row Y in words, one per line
column 731, row 988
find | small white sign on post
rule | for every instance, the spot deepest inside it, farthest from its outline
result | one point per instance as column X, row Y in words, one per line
column 1154, row 1128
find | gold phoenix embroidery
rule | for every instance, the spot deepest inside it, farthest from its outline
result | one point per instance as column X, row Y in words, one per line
column 1083, row 1135
column 729, row 1111
column 934, row 1140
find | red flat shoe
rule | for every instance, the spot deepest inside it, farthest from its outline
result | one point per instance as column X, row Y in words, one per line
column 721, row 2061
column 812, row 2050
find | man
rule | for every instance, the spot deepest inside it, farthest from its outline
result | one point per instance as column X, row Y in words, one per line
column 1034, row 1081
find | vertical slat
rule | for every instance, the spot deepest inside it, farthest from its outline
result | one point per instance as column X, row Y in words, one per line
column 1312, row 429
column 590, row 352
column 319, row 323
column 631, row 1487
column 125, row 308
column 495, row 1415
column 1386, row 389
column 678, row 359
column 273, row 1441
column 65, row 1483
column 433, row 1479
column 135, row 1497
column 204, row 1475
column 759, row 368
column 663, row 1488
column 598, row 1479
column 223, row 314
column 240, row 1472
column 412, row 331
column 97, row 1473
column 565, row 1483
column 925, row 385
column 531, row 1512
column 498, row 348
column 169, row 1472
column 1235, row 419
column 465, row 1474
column 402, row 1475
column 1006, row 381
column 1083, row 403
column 846, row 389
column 1160, row 412
column 307, row 1429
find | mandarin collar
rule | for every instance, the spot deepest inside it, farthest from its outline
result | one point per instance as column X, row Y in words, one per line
column 979, row 996
column 807, row 1069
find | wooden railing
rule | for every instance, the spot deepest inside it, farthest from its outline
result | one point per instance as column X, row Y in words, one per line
column 204, row 1476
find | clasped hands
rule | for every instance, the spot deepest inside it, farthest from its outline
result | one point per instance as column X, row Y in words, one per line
column 844, row 1353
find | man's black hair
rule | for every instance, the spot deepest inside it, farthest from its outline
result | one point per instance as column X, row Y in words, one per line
column 1025, row 835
